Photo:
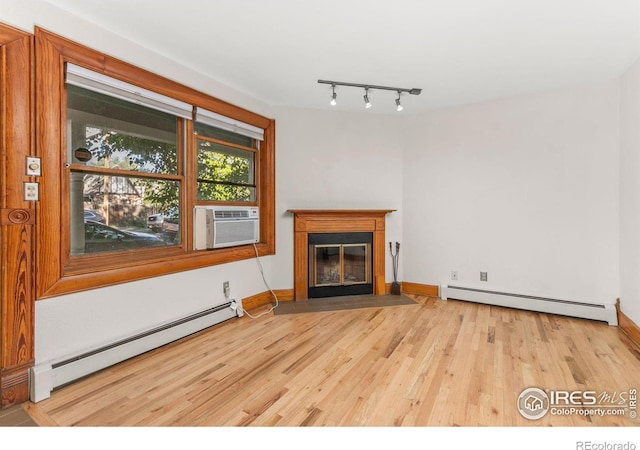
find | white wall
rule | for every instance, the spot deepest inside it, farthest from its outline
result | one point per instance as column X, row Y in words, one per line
column 524, row 188
column 25, row 14
column 334, row 160
column 630, row 194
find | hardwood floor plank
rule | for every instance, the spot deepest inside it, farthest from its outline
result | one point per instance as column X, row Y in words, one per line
column 436, row 363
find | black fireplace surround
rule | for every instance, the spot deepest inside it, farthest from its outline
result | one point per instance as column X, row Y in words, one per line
column 347, row 288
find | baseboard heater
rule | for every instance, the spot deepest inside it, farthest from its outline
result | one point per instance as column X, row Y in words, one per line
column 601, row 312
column 48, row 376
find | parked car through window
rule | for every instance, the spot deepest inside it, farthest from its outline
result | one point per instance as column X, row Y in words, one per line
column 96, row 216
column 103, row 238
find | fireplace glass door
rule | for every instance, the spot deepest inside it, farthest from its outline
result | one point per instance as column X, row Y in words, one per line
column 339, row 264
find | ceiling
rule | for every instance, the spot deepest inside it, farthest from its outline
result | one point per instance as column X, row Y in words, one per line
column 456, row 51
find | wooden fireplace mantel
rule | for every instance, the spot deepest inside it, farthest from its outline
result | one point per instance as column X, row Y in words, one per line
column 307, row 221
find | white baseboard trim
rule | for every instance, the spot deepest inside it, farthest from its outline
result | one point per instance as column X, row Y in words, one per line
column 602, row 312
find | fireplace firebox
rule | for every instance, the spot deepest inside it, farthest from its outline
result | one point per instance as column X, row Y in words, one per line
column 340, row 264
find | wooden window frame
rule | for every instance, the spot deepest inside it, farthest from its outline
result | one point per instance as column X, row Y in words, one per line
column 57, row 274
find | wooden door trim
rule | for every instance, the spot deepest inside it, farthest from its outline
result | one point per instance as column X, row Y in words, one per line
column 17, row 300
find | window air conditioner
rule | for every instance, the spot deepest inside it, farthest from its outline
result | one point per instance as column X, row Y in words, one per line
column 225, row 226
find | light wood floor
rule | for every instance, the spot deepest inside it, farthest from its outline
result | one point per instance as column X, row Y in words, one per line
column 437, row 363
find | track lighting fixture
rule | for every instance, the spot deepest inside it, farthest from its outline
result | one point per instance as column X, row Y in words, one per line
column 367, row 103
column 367, row 87
column 399, row 106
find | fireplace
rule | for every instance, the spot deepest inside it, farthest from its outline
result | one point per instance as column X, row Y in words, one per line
column 340, row 264
column 322, row 263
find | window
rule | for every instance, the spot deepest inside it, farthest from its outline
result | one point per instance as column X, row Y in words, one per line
column 123, row 161
column 126, row 157
column 226, row 165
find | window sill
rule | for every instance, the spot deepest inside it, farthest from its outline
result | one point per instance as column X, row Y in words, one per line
column 77, row 277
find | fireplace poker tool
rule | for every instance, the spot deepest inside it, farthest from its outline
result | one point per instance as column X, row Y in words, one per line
column 395, row 286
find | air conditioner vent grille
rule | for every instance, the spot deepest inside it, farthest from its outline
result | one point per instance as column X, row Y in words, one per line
column 232, row 214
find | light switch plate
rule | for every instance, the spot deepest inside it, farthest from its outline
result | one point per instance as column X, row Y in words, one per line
column 34, row 168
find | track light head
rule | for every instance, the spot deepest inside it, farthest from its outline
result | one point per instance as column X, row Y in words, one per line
column 333, row 101
column 367, row 103
column 399, row 106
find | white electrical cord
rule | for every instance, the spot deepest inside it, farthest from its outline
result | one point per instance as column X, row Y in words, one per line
column 266, row 284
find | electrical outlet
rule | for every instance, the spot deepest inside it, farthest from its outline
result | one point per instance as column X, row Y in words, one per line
column 31, row 192
column 226, row 289
column 454, row 275
column 483, row 276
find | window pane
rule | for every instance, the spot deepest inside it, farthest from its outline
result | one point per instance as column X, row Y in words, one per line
column 226, row 193
column 120, row 134
column 110, row 213
column 225, row 173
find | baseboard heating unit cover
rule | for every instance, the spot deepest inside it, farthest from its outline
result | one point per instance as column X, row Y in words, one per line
column 45, row 377
column 601, row 312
